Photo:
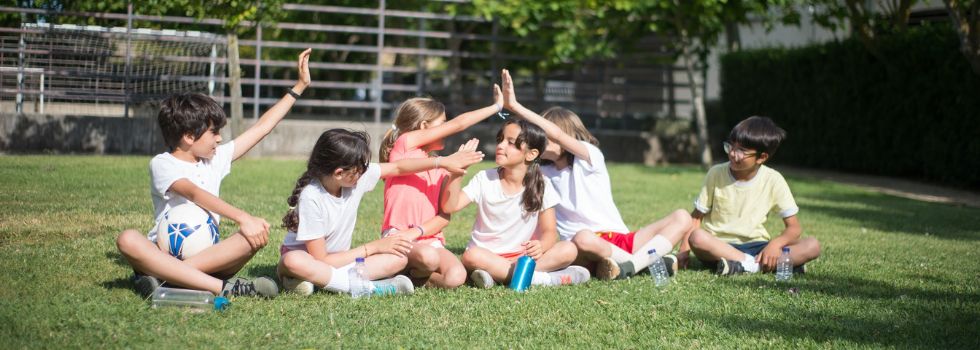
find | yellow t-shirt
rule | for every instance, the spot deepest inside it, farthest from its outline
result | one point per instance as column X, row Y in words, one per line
column 735, row 210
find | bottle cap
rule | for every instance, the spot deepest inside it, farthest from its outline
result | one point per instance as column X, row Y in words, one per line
column 652, row 251
column 785, row 249
column 360, row 260
column 221, row 303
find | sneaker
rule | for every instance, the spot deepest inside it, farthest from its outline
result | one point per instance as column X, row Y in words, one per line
column 399, row 284
column 569, row 275
column 670, row 261
column 145, row 285
column 262, row 286
column 481, row 279
column 799, row 270
column 297, row 286
column 729, row 268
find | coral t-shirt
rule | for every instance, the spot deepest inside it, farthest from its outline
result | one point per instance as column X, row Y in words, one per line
column 411, row 199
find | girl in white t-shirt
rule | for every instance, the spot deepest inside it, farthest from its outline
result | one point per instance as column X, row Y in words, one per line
column 323, row 209
column 586, row 213
column 515, row 214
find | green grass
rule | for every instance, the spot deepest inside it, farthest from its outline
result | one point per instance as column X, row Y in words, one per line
column 894, row 273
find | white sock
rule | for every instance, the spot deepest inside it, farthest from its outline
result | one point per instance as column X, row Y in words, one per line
column 540, row 278
column 339, row 280
column 641, row 259
column 620, row 255
column 749, row 264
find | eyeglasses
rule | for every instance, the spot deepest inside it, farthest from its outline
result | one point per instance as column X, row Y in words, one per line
column 739, row 153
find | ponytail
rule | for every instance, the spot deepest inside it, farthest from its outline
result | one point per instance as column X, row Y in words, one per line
column 533, row 197
column 409, row 116
column 291, row 220
column 387, row 143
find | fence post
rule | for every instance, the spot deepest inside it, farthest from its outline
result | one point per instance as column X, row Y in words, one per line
column 379, row 70
column 257, row 85
column 420, row 64
column 129, row 35
column 235, row 84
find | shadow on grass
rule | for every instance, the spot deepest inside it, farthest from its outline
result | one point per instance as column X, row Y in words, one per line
column 116, row 258
column 258, row 270
column 853, row 287
column 893, row 214
column 120, row 283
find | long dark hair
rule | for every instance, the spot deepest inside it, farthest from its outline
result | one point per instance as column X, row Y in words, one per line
column 335, row 149
column 531, row 137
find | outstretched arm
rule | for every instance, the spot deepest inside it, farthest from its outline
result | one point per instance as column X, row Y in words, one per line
column 567, row 142
column 271, row 117
column 421, row 137
column 255, row 230
column 456, row 163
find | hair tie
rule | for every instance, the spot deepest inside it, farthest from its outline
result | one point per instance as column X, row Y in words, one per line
column 292, row 208
column 393, row 127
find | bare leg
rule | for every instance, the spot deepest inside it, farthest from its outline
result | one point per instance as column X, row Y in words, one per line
column 804, row 250
column 558, row 257
column 380, row 266
column 451, row 273
column 591, row 247
column 146, row 257
column 478, row 258
column 423, row 260
column 672, row 228
column 300, row 264
column 707, row 247
column 224, row 259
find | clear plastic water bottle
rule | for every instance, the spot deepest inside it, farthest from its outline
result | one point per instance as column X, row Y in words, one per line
column 784, row 266
column 657, row 270
column 360, row 286
column 197, row 300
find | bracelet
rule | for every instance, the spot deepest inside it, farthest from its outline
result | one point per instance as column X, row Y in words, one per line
column 500, row 107
column 437, row 161
column 365, row 251
column 421, row 231
column 292, row 93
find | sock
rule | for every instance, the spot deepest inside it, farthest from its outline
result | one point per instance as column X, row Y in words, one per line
column 641, row 259
column 339, row 280
column 620, row 255
column 540, row 278
column 749, row 264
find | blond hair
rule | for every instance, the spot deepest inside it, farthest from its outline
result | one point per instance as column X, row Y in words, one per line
column 570, row 124
column 409, row 116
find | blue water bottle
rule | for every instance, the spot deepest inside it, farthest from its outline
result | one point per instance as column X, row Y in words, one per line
column 522, row 274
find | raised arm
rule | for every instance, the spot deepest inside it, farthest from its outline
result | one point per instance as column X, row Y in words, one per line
column 456, row 163
column 271, row 117
column 255, row 230
column 418, row 138
column 567, row 142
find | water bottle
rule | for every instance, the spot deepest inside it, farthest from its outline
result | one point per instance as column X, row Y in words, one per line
column 523, row 271
column 197, row 300
column 784, row 266
column 657, row 270
column 360, row 287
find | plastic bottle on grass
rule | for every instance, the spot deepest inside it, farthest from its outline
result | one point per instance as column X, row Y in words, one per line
column 360, row 287
column 197, row 300
column 784, row 266
column 657, row 270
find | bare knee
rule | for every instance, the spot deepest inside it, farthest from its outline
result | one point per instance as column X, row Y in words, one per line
column 294, row 262
column 427, row 258
column 585, row 240
column 812, row 247
column 470, row 259
column 697, row 239
column 565, row 251
column 128, row 240
column 454, row 277
column 681, row 217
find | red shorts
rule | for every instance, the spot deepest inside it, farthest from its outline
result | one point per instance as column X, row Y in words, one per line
column 622, row 240
column 512, row 257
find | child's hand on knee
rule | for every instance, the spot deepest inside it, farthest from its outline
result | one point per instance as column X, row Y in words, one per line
column 255, row 230
column 397, row 244
column 768, row 257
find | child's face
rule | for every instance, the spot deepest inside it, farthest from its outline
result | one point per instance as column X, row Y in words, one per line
column 552, row 151
column 437, row 144
column 509, row 153
column 741, row 158
column 347, row 177
column 206, row 145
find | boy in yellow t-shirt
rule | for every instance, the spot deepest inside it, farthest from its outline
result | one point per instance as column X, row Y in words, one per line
column 735, row 201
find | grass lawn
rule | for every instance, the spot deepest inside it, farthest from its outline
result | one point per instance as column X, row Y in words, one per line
column 894, row 273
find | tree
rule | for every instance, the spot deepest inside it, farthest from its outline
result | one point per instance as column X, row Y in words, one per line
column 585, row 29
column 965, row 15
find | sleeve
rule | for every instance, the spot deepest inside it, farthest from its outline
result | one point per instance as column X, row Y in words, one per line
column 474, row 189
column 550, row 198
column 782, row 198
column 370, row 178
column 221, row 163
column 312, row 223
column 596, row 163
column 706, row 196
column 163, row 173
column 398, row 150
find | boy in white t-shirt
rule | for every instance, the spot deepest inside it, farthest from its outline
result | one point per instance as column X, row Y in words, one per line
column 586, row 213
column 515, row 214
column 192, row 172
column 735, row 201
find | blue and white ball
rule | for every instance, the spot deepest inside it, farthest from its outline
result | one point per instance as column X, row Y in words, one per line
column 186, row 230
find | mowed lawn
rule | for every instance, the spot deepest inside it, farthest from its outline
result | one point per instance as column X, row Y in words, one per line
column 894, row 273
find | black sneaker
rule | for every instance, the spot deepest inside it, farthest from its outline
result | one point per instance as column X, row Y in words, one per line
column 145, row 285
column 729, row 268
column 262, row 286
column 670, row 261
column 799, row 270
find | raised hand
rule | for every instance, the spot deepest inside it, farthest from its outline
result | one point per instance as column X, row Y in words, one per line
column 509, row 95
column 466, row 155
column 303, row 68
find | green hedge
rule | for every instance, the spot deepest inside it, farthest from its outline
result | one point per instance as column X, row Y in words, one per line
column 915, row 116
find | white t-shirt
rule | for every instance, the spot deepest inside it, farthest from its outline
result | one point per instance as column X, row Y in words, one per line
column 321, row 214
column 501, row 224
column 586, row 196
column 165, row 169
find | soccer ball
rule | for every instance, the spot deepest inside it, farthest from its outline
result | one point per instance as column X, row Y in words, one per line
column 186, row 230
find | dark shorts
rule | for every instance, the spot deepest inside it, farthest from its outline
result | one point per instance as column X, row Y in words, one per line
column 751, row 248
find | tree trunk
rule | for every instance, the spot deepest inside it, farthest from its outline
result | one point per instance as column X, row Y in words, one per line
column 967, row 27
column 235, row 86
column 698, row 102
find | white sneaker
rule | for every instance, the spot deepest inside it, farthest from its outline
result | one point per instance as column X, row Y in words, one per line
column 481, row 279
column 296, row 285
column 395, row 285
column 570, row 275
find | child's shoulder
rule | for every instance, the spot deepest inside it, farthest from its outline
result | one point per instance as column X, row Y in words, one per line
column 771, row 174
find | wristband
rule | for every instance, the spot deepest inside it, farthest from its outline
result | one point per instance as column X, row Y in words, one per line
column 292, row 93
